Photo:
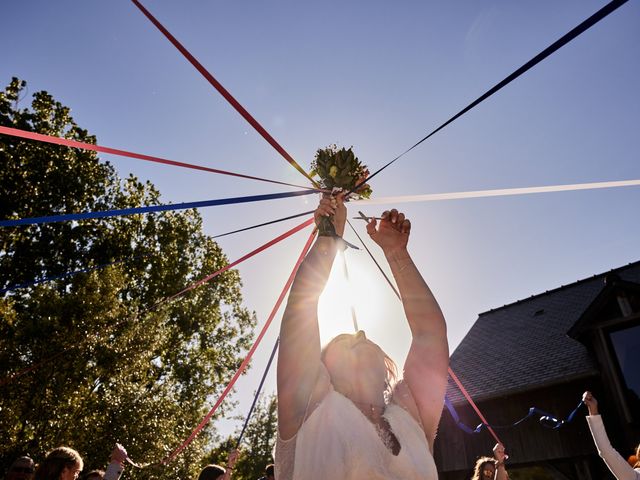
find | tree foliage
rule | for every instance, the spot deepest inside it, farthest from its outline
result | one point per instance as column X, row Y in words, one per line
column 107, row 363
column 257, row 443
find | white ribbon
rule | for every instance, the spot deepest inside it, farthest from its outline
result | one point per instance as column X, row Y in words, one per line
column 430, row 197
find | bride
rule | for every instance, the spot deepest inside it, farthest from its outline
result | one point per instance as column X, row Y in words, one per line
column 341, row 412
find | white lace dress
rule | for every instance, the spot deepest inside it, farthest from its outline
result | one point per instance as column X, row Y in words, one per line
column 337, row 441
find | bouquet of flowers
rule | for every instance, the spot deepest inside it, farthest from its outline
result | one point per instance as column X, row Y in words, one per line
column 339, row 170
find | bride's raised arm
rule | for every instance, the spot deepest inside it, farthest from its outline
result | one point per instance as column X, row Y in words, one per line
column 425, row 369
column 299, row 364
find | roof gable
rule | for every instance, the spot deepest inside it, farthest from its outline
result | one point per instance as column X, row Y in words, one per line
column 524, row 345
column 617, row 299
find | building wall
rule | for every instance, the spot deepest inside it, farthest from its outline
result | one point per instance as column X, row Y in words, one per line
column 528, row 444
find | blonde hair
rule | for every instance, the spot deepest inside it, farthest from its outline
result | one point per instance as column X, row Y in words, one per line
column 481, row 462
column 391, row 374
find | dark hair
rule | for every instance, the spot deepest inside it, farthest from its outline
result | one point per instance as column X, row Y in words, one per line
column 211, row 472
column 23, row 459
column 93, row 473
column 268, row 471
column 56, row 461
column 480, row 463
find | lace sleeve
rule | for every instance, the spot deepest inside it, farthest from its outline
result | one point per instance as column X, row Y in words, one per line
column 284, row 454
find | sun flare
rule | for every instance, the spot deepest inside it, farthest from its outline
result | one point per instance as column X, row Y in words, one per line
column 364, row 292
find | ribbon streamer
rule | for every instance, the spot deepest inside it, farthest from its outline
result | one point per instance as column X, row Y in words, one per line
column 431, row 197
column 310, row 212
column 288, row 233
column 459, row 195
column 39, row 137
column 451, row 374
column 562, row 41
column 255, row 398
column 152, row 208
column 473, row 404
column 240, row 260
column 546, row 419
column 224, row 92
column 245, row 362
column 13, row 376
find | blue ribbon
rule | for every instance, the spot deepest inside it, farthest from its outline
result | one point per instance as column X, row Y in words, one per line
column 546, row 420
column 561, row 42
column 255, row 397
column 153, row 208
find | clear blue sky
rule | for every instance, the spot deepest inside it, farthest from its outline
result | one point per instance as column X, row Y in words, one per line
column 377, row 75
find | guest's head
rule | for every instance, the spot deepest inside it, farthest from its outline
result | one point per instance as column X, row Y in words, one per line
column 22, row 468
column 62, row 463
column 269, row 472
column 485, row 469
column 94, row 475
column 211, row 472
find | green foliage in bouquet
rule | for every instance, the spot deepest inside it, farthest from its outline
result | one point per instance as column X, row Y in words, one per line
column 339, row 169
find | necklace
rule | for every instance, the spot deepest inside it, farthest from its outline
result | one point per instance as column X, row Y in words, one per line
column 375, row 414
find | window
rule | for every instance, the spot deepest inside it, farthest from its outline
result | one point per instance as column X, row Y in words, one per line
column 626, row 345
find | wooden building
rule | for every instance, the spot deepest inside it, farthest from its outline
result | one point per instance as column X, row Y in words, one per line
column 545, row 351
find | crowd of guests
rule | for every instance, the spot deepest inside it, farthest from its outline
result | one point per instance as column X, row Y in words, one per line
column 65, row 463
column 342, row 413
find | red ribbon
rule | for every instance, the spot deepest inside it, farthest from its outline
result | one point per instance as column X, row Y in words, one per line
column 224, row 92
column 245, row 362
column 26, row 370
column 270, row 243
column 15, row 132
column 472, row 403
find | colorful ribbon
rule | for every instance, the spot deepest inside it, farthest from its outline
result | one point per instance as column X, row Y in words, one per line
column 310, row 212
column 473, row 404
column 501, row 192
column 451, row 374
column 152, row 208
column 546, row 420
column 39, row 137
column 270, row 243
column 255, row 397
column 588, row 23
column 245, row 362
column 224, row 92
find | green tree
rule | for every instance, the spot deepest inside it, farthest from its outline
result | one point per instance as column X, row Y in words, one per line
column 257, row 443
column 108, row 364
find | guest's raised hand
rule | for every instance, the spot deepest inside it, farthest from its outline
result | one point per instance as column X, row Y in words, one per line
column 498, row 452
column 591, row 402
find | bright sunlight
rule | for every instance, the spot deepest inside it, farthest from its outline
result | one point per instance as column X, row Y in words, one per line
column 377, row 310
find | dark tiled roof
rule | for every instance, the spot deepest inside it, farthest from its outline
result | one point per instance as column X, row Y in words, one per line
column 524, row 345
